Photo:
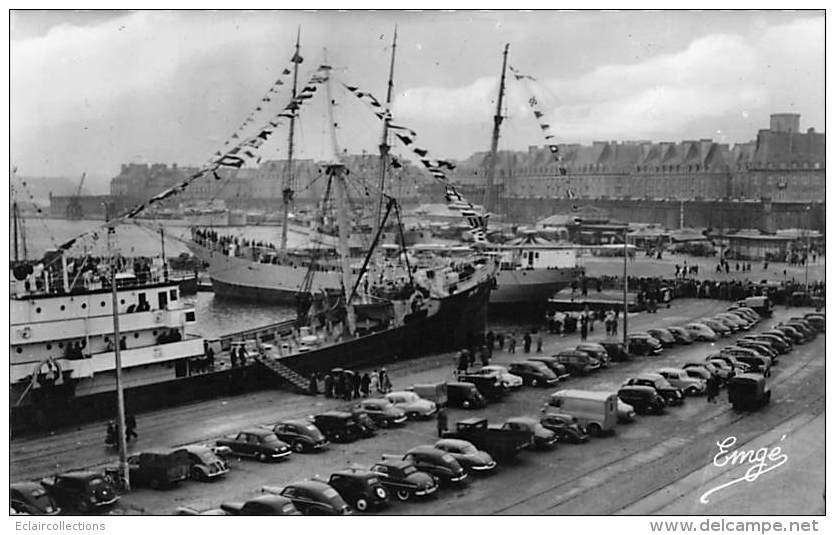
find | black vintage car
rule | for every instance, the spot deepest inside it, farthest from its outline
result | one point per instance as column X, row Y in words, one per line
column 266, row 505
column 302, row 436
column 29, row 498
column 465, row 396
column 489, row 387
column 383, row 412
column 617, row 351
column 313, row 498
column 364, row 422
column 159, row 468
column 205, row 463
column 360, row 488
column 338, row 426
column 553, row 364
column 501, row 444
column 82, row 491
column 467, row 455
column 404, row 480
column 748, row 391
column 437, row 462
column 644, row 344
column 664, row 336
column 261, row 444
column 565, row 427
column 534, row 373
column 644, row 399
column 671, row 395
column 543, row 438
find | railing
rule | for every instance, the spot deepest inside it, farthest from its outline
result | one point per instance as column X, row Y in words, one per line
column 264, row 333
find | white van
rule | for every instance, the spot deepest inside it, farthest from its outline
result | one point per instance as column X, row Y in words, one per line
column 596, row 412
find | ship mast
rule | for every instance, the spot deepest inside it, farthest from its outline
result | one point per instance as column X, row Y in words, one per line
column 287, row 193
column 336, row 171
column 489, row 201
column 15, row 220
column 384, row 147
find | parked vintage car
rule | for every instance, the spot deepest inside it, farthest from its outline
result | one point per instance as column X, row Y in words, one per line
column 360, row 488
column 671, row 395
column 645, row 399
column 733, row 325
column 746, row 312
column 753, row 359
column 365, row 424
column 617, row 351
column 302, row 435
column 81, row 490
column 760, row 304
column 338, row 426
column 741, row 322
column 717, row 326
column 533, row 373
column 698, row 372
column 156, row 469
column 816, row 320
column 577, row 362
column 412, row 404
column 383, row 412
column 501, row 444
column 776, row 344
column 265, row 505
column 30, row 498
column 748, row 391
column 662, row 335
column 467, row 455
column 205, row 464
column 681, row 335
column 763, row 348
column 437, row 462
column 507, row 379
column 543, row 438
column 722, row 371
column 465, row 395
column 553, row 364
column 404, row 480
column 701, row 332
column 679, row 379
column 626, row 412
column 595, row 350
column 644, row 344
column 261, row 444
column 565, row 426
column 729, row 360
column 490, row 387
column 312, row 498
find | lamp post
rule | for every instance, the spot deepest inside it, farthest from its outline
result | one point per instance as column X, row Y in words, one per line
column 124, row 472
column 625, row 289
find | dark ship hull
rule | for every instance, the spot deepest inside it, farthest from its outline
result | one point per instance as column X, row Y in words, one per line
column 459, row 321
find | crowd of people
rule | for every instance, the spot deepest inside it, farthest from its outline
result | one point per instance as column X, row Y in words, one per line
column 350, row 384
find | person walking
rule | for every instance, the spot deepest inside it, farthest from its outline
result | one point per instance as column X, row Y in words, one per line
column 490, row 338
column 484, row 354
column 130, row 427
column 712, row 388
column 500, row 341
column 511, row 344
column 539, row 342
column 374, row 385
column 313, row 384
column 584, row 328
column 385, row 382
column 526, row 342
column 356, row 384
column 442, row 421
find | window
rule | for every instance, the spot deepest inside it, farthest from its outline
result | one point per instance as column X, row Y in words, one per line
column 48, row 346
column 172, row 295
column 63, row 308
column 83, row 305
column 102, row 304
column 19, row 350
column 38, row 310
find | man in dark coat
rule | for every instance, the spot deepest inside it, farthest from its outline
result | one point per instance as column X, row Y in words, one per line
column 365, row 384
column 526, row 342
column 328, row 385
column 356, row 382
column 712, row 388
column 442, row 422
column 313, row 384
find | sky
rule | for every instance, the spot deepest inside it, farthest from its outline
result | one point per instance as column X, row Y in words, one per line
column 92, row 90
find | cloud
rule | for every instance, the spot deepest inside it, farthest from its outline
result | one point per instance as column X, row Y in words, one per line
column 717, row 77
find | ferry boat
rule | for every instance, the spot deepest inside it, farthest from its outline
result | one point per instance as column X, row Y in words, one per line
column 61, row 339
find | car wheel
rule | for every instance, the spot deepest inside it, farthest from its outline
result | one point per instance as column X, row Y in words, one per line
column 337, row 437
column 594, row 429
column 402, row 494
column 361, row 504
column 298, row 446
column 692, row 391
column 197, row 474
column 262, row 457
column 534, row 382
column 384, row 423
column 413, row 416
